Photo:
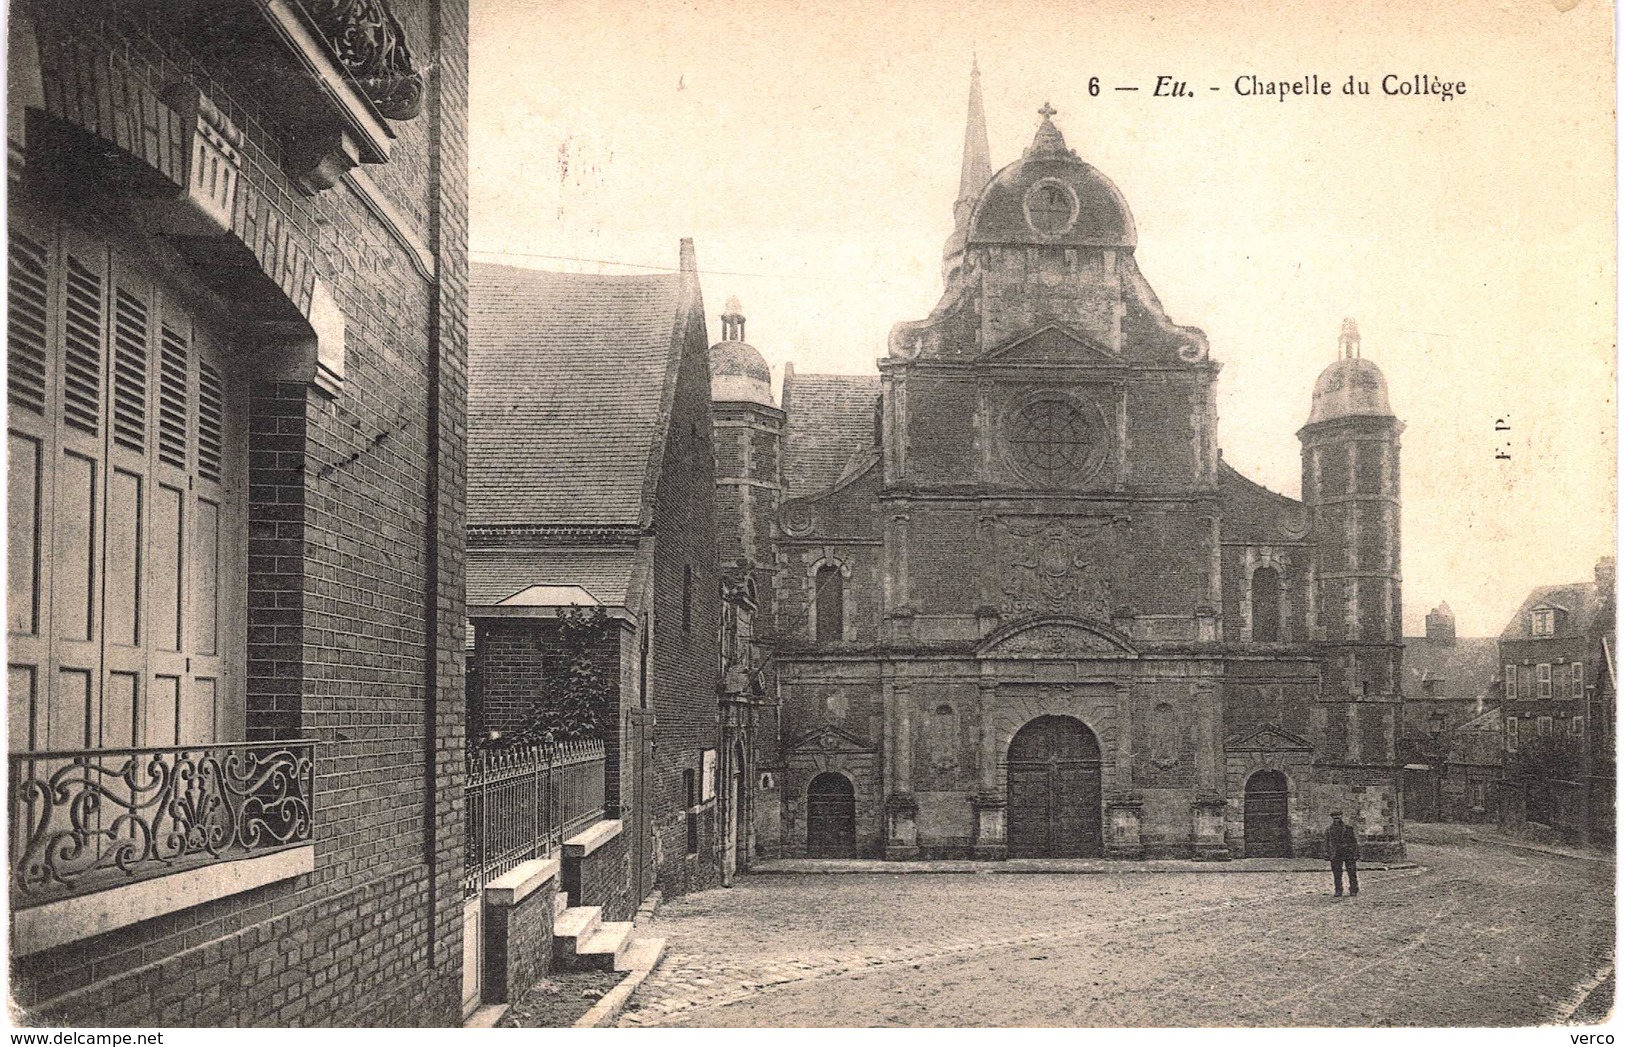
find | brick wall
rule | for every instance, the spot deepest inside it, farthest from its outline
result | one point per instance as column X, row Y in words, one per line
column 603, row 878
column 686, row 659
column 269, row 957
column 355, row 586
column 518, row 943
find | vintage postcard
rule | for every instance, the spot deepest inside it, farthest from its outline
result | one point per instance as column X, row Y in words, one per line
column 756, row 514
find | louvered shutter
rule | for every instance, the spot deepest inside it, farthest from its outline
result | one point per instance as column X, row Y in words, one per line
column 25, row 314
column 127, row 547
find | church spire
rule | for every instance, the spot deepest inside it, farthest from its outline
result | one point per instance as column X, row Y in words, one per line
column 975, row 170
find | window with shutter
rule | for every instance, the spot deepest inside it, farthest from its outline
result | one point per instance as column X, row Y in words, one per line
column 127, row 530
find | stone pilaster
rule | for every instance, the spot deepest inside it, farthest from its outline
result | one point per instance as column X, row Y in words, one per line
column 1123, row 754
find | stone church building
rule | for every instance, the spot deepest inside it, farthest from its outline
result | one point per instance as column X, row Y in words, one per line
column 1020, row 605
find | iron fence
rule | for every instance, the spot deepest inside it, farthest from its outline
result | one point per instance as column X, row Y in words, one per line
column 524, row 802
column 85, row 821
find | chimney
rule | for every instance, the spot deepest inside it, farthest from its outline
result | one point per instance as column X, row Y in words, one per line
column 1441, row 626
column 1605, row 577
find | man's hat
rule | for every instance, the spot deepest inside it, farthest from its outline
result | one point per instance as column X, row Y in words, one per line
column 1337, row 814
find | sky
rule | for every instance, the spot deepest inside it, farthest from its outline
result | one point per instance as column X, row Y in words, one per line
column 813, row 152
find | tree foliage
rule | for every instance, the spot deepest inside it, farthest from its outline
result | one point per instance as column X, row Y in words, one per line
column 580, row 682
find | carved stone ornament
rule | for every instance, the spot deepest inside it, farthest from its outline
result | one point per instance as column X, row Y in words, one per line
column 1046, row 567
column 1294, row 522
column 797, row 519
column 372, row 47
column 1057, row 639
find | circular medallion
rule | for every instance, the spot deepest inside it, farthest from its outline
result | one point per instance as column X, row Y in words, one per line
column 796, row 519
column 1294, row 522
column 1051, row 206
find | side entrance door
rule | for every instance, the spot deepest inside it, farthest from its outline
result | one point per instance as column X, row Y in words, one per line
column 1264, row 816
column 831, row 817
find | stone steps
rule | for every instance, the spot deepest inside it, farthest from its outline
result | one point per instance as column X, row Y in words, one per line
column 571, row 930
column 606, row 949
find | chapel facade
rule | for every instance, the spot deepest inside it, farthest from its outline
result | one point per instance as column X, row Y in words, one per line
column 1019, row 604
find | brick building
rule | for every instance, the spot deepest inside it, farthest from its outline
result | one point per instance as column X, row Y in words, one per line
column 1022, row 605
column 1557, row 683
column 235, row 379
column 591, row 484
column 1450, row 682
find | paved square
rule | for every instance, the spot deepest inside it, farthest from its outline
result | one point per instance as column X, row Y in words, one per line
column 1477, row 934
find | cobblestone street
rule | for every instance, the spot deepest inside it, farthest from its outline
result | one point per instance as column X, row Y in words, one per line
column 1477, row 934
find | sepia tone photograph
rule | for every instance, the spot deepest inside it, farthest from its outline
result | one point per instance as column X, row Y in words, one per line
column 748, row 514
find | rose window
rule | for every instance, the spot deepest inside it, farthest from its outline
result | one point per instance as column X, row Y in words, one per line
column 1050, row 438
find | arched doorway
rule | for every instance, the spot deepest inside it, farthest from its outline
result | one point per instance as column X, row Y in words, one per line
column 1264, row 821
column 831, row 817
column 1053, row 777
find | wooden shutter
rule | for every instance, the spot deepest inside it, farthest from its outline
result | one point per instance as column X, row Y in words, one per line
column 127, row 486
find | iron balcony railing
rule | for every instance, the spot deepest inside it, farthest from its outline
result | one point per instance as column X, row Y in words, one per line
column 86, row 821
column 524, row 802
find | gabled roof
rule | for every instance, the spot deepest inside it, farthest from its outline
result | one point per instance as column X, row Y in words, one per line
column 1268, row 737
column 1580, row 600
column 1488, row 720
column 496, row 574
column 1464, row 669
column 828, row 419
column 570, row 384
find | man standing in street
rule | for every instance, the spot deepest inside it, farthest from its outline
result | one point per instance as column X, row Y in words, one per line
column 1343, row 848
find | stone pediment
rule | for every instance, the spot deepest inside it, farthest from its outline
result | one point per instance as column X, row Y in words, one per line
column 1054, row 343
column 1057, row 638
column 828, row 739
column 1267, row 737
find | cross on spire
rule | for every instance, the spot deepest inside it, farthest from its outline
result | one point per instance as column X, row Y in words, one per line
column 1048, row 111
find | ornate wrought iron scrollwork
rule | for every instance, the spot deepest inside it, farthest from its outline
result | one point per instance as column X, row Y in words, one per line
column 372, row 47
column 86, row 821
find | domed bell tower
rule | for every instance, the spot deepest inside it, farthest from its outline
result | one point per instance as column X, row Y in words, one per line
column 747, row 427
column 1351, row 488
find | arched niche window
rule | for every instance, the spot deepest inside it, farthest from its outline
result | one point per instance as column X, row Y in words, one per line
column 942, row 738
column 1266, row 605
column 829, row 603
column 1164, row 735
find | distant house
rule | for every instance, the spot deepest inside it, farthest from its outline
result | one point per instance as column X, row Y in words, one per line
column 1557, row 697
column 1449, row 682
column 591, row 486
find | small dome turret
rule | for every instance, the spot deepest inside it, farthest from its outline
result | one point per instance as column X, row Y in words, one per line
column 1351, row 387
column 738, row 372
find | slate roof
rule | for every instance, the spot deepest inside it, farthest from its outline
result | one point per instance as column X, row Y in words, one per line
column 569, row 383
column 494, row 574
column 1464, row 669
column 829, row 420
column 1579, row 599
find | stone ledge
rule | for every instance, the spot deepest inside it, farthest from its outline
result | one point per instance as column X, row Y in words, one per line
column 72, row 919
column 591, row 838
column 520, row 882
